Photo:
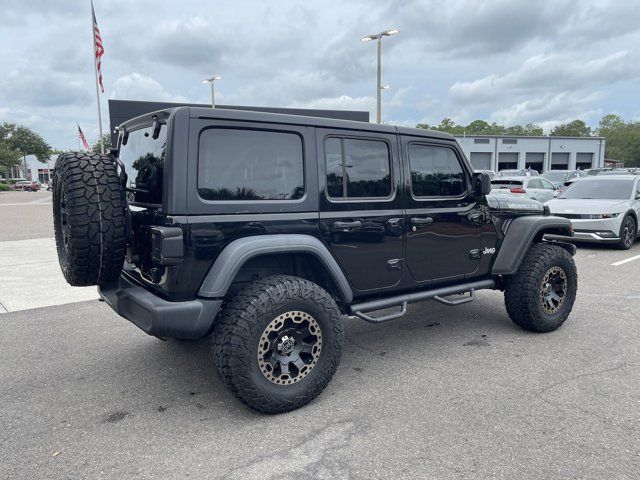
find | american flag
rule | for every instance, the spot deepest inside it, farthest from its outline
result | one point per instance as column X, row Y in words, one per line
column 85, row 144
column 98, row 49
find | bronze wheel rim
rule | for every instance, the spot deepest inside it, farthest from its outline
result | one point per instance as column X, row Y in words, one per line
column 553, row 290
column 289, row 347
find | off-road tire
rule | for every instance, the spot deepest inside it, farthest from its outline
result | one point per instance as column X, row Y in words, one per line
column 238, row 331
column 89, row 216
column 522, row 293
column 626, row 241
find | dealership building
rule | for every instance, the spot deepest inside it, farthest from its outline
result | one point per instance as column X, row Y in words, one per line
column 491, row 152
column 31, row 168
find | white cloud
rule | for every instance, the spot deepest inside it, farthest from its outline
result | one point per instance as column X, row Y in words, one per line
column 549, row 110
column 499, row 60
column 140, row 87
column 544, row 73
column 342, row 102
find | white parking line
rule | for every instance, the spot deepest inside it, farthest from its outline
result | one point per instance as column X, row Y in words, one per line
column 626, row 260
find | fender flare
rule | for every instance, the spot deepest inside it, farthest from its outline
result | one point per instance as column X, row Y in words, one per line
column 521, row 233
column 236, row 254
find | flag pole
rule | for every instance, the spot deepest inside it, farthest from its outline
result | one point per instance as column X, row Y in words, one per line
column 95, row 70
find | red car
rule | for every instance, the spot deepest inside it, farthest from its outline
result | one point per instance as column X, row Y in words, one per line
column 26, row 186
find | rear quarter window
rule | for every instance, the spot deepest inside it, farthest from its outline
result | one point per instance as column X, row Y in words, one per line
column 237, row 164
column 143, row 157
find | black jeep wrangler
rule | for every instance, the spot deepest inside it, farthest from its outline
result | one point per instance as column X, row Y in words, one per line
column 263, row 230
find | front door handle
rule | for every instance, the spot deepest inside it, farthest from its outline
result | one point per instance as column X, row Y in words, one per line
column 421, row 221
column 348, row 226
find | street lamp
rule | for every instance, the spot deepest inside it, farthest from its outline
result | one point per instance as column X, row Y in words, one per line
column 378, row 37
column 213, row 90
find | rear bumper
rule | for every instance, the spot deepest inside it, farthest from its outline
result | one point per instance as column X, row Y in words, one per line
column 191, row 319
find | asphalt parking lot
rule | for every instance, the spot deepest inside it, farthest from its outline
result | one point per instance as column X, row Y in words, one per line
column 441, row 393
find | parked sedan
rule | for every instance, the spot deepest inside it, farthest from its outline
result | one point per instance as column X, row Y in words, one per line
column 26, row 186
column 602, row 209
column 559, row 177
column 535, row 188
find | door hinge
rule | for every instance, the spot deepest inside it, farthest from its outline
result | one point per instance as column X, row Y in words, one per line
column 475, row 254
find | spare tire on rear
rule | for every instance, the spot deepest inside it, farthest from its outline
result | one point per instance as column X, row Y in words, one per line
column 89, row 217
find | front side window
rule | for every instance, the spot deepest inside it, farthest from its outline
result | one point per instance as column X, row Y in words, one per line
column 236, row 164
column 435, row 171
column 357, row 168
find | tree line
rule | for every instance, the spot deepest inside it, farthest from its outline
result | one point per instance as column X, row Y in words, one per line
column 622, row 139
column 18, row 141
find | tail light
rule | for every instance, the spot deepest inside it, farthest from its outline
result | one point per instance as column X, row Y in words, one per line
column 518, row 190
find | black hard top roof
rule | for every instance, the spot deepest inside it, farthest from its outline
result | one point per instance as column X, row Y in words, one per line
column 251, row 116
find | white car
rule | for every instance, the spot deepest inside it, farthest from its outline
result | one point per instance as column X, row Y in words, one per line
column 535, row 188
column 602, row 208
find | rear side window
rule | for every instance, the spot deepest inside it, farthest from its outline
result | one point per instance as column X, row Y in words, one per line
column 357, row 168
column 236, row 164
column 435, row 171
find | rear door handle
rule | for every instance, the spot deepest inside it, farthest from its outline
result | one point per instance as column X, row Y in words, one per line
column 347, row 226
column 421, row 221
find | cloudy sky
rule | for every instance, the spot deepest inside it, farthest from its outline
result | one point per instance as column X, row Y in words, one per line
column 500, row 60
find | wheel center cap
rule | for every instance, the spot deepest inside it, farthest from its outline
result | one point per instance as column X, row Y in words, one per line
column 286, row 345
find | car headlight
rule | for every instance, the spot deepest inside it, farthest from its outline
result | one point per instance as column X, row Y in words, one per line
column 600, row 216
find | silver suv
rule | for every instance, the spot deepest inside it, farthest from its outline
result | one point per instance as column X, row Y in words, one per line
column 535, row 188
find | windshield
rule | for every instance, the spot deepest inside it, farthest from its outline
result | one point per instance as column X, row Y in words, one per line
column 143, row 159
column 555, row 176
column 599, row 189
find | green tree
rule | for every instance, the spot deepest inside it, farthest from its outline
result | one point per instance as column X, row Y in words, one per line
column 482, row 127
column 446, row 125
column 529, row 129
column 25, row 141
column 18, row 141
column 575, row 128
column 8, row 157
column 478, row 127
column 106, row 138
column 622, row 139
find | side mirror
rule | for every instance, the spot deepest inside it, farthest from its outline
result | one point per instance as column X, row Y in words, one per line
column 481, row 184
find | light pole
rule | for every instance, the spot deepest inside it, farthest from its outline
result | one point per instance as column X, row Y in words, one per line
column 378, row 37
column 212, row 81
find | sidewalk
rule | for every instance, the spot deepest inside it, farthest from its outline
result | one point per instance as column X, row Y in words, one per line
column 30, row 277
